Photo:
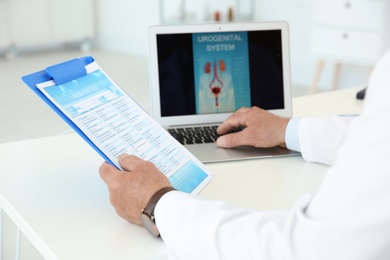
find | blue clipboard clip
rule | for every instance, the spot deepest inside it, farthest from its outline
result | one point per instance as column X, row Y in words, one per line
column 66, row 71
column 62, row 73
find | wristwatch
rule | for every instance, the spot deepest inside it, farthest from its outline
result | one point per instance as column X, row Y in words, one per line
column 147, row 214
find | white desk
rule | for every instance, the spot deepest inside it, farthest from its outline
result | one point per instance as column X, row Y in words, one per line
column 51, row 189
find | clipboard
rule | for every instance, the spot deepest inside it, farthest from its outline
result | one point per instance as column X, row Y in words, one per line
column 105, row 98
column 61, row 73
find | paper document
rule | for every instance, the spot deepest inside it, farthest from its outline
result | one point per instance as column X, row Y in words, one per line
column 116, row 124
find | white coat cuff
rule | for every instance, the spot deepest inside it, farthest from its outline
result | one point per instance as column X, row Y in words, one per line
column 292, row 135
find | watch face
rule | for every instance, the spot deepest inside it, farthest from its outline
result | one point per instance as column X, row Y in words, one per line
column 149, row 224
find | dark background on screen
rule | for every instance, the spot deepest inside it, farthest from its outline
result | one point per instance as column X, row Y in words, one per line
column 176, row 72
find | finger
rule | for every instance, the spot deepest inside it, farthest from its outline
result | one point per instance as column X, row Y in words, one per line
column 234, row 120
column 226, row 127
column 129, row 162
column 230, row 123
column 242, row 110
column 108, row 172
column 232, row 140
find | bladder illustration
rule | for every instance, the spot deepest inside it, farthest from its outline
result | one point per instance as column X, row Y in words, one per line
column 216, row 84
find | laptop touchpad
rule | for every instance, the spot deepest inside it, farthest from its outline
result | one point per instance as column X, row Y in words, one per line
column 208, row 152
column 253, row 152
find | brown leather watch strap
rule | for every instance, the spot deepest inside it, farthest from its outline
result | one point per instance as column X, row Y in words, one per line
column 149, row 209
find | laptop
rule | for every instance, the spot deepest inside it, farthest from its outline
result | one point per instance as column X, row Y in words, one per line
column 200, row 74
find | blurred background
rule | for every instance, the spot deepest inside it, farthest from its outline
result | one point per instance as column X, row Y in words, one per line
column 334, row 44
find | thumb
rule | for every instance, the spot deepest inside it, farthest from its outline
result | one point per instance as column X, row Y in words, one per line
column 230, row 140
column 108, row 172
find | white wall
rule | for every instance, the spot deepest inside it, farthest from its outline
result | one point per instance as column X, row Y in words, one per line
column 299, row 14
column 122, row 26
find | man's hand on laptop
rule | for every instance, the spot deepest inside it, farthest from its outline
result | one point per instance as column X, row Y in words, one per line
column 262, row 129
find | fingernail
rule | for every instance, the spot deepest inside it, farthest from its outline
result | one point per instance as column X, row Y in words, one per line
column 221, row 141
column 122, row 156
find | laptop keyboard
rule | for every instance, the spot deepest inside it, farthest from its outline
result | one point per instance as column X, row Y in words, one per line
column 198, row 134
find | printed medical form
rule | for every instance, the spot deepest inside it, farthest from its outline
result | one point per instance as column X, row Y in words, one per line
column 117, row 124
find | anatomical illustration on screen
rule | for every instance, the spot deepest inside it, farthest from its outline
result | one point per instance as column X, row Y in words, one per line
column 221, row 72
column 216, row 91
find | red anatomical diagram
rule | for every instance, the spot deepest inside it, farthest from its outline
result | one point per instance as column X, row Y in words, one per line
column 222, row 65
column 207, row 67
column 216, row 83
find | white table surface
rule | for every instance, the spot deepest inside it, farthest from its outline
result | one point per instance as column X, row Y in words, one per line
column 51, row 189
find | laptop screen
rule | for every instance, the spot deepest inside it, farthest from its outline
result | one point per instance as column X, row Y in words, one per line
column 219, row 72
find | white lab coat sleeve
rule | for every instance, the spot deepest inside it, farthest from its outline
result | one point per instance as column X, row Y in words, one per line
column 320, row 138
column 350, row 214
column 347, row 218
column 193, row 228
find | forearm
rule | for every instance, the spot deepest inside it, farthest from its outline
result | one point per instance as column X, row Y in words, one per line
column 347, row 218
column 199, row 229
column 317, row 138
column 336, row 223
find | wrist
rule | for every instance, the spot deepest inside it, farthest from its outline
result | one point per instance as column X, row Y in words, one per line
column 147, row 213
column 283, row 129
column 292, row 135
